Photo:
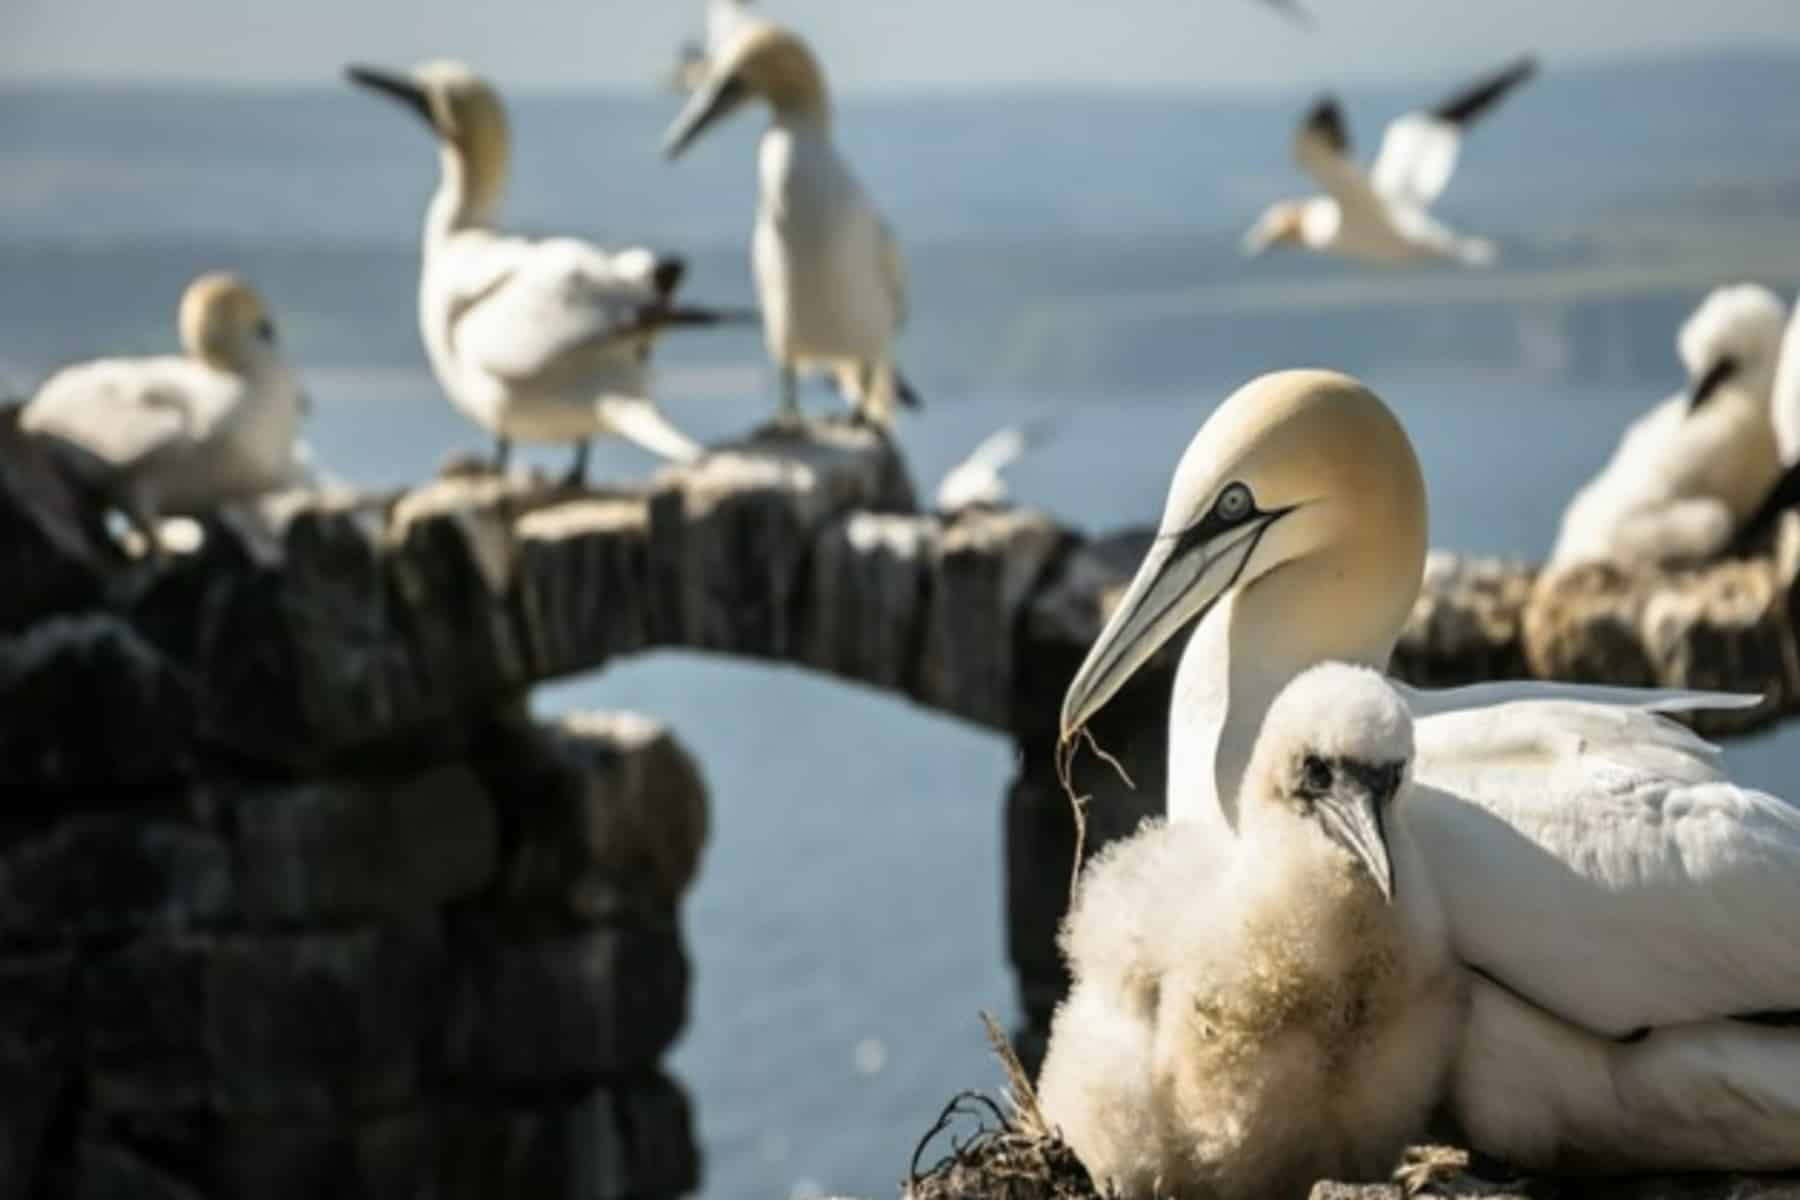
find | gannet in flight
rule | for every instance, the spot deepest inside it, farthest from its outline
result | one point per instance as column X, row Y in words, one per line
column 541, row 341
column 1691, row 472
column 1594, row 861
column 1250, row 1016
column 179, row 436
column 694, row 60
column 828, row 269
column 1384, row 216
column 979, row 481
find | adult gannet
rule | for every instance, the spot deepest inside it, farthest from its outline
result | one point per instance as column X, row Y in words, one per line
column 979, row 481
column 693, row 61
column 1385, row 215
column 1692, row 471
column 1250, row 1017
column 180, row 435
column 540, row 341
column 1593, row 859
column 828, row 269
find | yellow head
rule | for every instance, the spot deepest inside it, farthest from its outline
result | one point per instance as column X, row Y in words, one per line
column 762, row 59
column 225, row 324
column 1281, row 224
column 465, row 113
column 1301, row 486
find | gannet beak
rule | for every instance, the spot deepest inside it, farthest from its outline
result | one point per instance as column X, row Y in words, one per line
column 1180, row 580
column 397, row 87
column 716, row 99
column 1711, row 382
column 1351, row 814
column 1257, row 242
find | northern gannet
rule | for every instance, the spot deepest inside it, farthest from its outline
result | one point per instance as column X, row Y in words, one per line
column 829, row 274
column 540, row 341
column 693, row 61
column 979, row 481
column 1384, row 216
column 1593, row 859
column 1784, row 409
column 181, row 435
column 1691, row 472
column 1249, row 1017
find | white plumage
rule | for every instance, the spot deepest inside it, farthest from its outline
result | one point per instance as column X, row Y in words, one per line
column 540, row 341
column 693, row 62
column 1688, row 474
column 1591, row 856
column 979, row 481
column 829, row 274
column 1250, row 1016
column 1384, row 216
column 182, row 435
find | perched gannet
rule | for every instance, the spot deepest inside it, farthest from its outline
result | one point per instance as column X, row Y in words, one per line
column 978, row 481
column 693, row 61
column 1249, row 1017
column 1784, row 410
column 1384, row 216
column 542, row 341
column 828, row 269
column 1689, row 473
column 1592, row 857
column 176, row 436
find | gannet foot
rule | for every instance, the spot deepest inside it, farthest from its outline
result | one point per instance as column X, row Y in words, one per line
column 1433, row 1171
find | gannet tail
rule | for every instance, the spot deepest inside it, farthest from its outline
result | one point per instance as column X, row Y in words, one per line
column 637, row 421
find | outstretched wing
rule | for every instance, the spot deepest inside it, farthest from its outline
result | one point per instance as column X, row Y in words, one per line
column 1419, row 150
column 1322, row 147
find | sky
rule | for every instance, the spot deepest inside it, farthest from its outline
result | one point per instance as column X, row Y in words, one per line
column 870, row 45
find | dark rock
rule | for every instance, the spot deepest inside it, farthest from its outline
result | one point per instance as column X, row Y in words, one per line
column 106, row 1170
column 561, row 1009
column 583, row 583
column 866, row 599
column 54, row 555
column 630, row 1139
column 87, row 704
column 112, row 875
column 36, row 1062
column 351, row 851
column 240, row 1024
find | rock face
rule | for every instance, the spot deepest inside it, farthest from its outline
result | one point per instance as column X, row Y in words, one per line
column 292, row 901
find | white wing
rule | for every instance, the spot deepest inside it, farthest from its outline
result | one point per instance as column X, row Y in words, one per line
column 547, row 313
column 637, row 421
column 978, row 478
column 127, row 411
column 1322, row 148
column 1594, row 859
column 1417, row 158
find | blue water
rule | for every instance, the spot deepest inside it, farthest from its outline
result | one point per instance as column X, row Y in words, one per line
column 847, row 925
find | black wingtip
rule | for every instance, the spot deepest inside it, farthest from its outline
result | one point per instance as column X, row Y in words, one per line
column 667, row 275
column 909, row 395
column 1479, row 97
column 1753, row 536
column 1325, row 119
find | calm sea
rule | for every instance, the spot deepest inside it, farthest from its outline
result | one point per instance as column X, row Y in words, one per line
column 847, row 926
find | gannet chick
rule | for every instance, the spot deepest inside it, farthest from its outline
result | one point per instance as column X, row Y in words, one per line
column 979, row 481
column 828, row 269
column 1290, row 991
column 181, row 435
column 539, row 341
column 1690, row 473
column 1384, row 216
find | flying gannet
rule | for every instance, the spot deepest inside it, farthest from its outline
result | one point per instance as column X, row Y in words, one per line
column 979, row 481
column 1692, row 471
column 1251, row 1016
column 1384, row 216
column 182, row 435
column 829, row 274
column 693, row 61
column 1595, row 863
column 541, row 341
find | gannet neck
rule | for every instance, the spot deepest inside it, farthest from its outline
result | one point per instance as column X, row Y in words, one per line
column 779, row 66
column 468, row 194
column 225, row 326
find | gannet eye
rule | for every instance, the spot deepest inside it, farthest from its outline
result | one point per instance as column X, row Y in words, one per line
column 1315, row 774
column 1234, row 503
column 265, row 329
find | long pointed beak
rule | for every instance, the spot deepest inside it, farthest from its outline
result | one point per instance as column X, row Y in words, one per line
column 715, row 100
column 396, row 87
column 1177, row 582
column 1711, row 382
column 1351, row 815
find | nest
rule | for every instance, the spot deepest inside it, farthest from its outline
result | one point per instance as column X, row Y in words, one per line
column 1011, row 1153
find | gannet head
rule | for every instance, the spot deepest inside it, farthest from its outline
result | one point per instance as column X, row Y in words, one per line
column 465, row 113
column 759, row 58
column 1281, row 224
column 1333, row 755
column 225, row 324
column 1302, row 488
column 1734, row 336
